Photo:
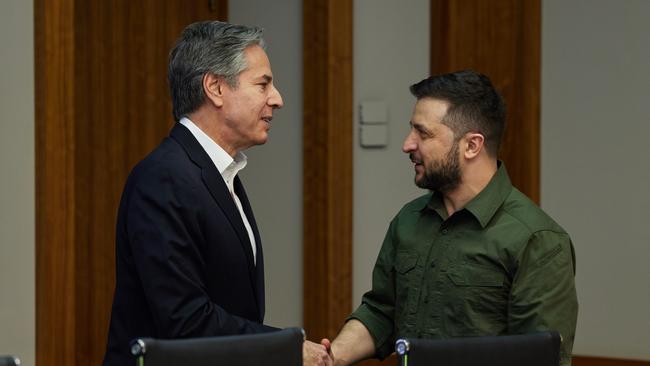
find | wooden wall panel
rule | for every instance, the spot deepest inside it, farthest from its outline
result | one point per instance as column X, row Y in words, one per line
column 55, row 196
column 502, row 40
column 327, row 167
column 102, row 104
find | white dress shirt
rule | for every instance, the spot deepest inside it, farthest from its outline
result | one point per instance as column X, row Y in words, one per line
column 228, row 168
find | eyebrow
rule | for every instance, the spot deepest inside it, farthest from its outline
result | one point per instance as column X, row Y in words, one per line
column 420, row 127
column 415, row 124
column 267, row 78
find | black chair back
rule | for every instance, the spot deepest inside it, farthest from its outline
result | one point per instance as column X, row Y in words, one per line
column 9, row 361
column 537, row 349
column 283, row 347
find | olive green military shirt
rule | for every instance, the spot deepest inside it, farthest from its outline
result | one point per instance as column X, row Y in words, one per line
column 498, row 266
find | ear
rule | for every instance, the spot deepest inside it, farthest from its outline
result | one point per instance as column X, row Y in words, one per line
column 474, row 145
column 213, row 88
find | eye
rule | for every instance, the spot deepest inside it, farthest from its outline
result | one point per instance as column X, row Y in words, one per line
column 263, row 86
column 422, row 132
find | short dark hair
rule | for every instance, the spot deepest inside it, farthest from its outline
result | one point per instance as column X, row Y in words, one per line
column 474, row 105
column 207, row 47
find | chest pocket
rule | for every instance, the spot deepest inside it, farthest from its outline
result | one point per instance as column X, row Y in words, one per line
column 477, row 301
column 476, row 277
column 405, row 285
column 405, row 262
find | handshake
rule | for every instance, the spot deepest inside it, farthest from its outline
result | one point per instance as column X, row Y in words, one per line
column 314, row 354
column 353, row 344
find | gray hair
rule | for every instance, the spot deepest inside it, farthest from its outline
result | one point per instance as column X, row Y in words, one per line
column 207, row 47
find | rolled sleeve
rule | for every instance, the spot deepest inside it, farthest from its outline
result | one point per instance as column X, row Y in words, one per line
column 377, row 309
column 379, row 326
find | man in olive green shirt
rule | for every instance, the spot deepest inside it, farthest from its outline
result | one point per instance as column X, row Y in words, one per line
column 474, row 257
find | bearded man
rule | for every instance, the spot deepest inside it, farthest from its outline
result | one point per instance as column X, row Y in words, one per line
column 474, row 256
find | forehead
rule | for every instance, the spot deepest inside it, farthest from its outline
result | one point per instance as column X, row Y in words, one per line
column 429, row 111
column 257, row 62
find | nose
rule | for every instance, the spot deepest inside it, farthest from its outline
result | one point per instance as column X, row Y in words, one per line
column 410, row 144
column 275, row 99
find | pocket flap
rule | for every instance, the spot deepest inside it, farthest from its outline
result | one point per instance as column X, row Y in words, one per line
column 405, row 262
column 476, row 276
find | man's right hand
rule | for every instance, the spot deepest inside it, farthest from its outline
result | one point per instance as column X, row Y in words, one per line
column 314, row 354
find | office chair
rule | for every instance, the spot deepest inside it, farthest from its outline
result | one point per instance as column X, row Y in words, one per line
column 283, row 347
column 9, row 361
column 537, row 349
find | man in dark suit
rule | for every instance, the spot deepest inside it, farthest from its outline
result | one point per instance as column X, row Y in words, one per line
column 189, row 259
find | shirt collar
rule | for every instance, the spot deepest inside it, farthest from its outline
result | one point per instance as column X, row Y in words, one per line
column 485, row 204
column 221, row 159
column 488, row 201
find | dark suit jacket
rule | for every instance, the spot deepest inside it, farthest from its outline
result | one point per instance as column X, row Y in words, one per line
column 184, row 264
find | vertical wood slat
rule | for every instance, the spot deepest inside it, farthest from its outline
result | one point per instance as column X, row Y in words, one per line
column 501, row 39
column 55, row 198
column 102, row 103
column 327, row 167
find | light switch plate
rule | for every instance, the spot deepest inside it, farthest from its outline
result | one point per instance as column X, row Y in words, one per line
column 374, row 135
column 373, row 112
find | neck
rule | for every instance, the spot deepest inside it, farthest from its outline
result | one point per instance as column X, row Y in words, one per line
column 476, row 174
column 206, row 121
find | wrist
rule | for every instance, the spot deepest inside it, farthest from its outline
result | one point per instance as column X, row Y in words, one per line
column 336, row 356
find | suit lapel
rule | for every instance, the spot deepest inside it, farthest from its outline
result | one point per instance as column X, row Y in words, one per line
column 218, row 189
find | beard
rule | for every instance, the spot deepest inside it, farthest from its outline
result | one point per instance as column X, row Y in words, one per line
column 442, row 176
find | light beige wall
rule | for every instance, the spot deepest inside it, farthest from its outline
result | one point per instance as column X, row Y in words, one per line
column 17, row 287
column 273, row 177
column 391, row 52
column 595, row 168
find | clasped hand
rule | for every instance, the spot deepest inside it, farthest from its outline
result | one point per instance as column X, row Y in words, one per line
column 314, row 354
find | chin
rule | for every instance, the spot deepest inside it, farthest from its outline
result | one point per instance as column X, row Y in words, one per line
column 262, row 139
column 420, row 181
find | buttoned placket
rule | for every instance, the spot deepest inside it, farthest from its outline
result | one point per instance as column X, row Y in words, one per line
column 429, row 303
